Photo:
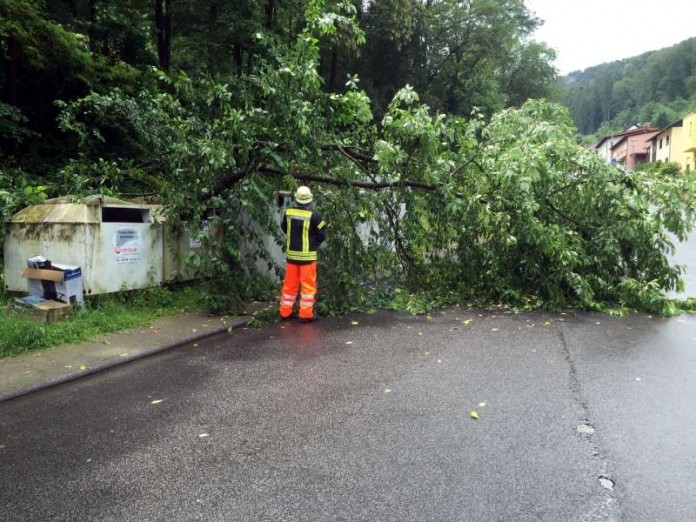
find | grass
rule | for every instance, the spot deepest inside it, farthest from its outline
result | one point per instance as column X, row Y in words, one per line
column 101, row 314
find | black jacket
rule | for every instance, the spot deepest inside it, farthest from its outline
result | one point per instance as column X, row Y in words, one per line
column 305, row 231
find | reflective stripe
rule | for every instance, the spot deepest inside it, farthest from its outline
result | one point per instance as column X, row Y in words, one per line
column 287, row 299
column 301, row 256
column 298, row 213
column 305, row 236
column 321, row 225
column 307, row 296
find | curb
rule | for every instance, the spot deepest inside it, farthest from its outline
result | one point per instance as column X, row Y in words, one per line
column 112, row 363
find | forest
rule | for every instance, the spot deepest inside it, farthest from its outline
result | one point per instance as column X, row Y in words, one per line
column 423, row 121
column 657, row 87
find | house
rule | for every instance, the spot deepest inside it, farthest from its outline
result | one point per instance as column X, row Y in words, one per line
column 661, row 145
column 607, row 146
column 631, row 149
column 604, row 145
column 684, row 146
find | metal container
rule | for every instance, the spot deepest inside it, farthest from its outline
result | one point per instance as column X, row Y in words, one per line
column 118, row 244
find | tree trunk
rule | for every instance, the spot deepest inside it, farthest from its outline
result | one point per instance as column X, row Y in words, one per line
column 238, row 55
column 163, row 25
column 14, row 51
column 92, row 7
column 270, row 12
column 212, row 22
column 333, row 76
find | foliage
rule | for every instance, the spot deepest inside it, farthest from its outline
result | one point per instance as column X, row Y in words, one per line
column 458, row 55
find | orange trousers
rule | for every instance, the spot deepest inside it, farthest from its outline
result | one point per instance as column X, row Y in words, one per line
column 304, row 278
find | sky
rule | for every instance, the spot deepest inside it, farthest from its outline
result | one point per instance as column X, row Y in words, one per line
column 589, row 32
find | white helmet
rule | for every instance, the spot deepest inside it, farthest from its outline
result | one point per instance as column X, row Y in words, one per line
column 303, row 195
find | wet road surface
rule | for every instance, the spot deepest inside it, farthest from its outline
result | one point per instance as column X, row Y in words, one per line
column 586, row 417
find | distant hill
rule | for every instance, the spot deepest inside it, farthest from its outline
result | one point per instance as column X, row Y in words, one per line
column 657, row 87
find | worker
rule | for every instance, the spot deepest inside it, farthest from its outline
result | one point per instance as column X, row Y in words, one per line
column 305, row 231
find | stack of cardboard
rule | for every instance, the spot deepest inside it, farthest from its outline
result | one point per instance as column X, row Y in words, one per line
column 53, row 289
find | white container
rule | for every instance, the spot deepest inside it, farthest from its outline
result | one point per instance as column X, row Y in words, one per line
column 118, row 245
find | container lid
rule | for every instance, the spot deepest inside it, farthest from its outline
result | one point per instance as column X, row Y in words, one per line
column 69, row 209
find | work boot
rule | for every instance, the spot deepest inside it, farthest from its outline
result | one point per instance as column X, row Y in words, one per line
column 305, row 320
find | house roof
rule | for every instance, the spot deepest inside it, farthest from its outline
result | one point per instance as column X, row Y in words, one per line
column 652, row 133
column 631, row 131
column 678, row 123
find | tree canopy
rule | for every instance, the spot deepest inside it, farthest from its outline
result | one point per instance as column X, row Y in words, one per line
column 434, row 191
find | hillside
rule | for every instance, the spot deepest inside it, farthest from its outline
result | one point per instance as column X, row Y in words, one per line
column 657, row 87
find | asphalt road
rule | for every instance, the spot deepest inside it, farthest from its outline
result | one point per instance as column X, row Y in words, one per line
column 586, row 417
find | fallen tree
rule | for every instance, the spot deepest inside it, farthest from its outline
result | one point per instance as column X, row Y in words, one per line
column 508, row 209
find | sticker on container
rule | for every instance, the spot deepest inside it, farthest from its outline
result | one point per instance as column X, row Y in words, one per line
column 126, row 243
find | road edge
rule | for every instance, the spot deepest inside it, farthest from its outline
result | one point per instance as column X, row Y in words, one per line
column 112, row 363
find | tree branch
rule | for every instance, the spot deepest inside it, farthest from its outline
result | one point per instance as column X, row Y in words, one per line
column 267, row 169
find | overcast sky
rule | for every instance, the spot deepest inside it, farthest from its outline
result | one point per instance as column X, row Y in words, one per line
column 589, row 32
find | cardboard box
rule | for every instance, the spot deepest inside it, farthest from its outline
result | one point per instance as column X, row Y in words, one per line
column 62, row 283
column 36, row 286
column 43, row 310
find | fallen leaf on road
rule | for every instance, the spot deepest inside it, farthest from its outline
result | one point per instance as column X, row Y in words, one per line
column 156, row 401
column 195, row 345
column 202, row 435
column 106, row 342
column 2, row 448
column 426, row 353
column 482, row 404
column 547, row 323
column 473, row 414
column 89, row 460
column 494, row 329
column 468, row 321
column 194, row 330
column 349, row 342
column 387, row 390
column 123, row 355
column 354, row 323
column 585, row 428
column 82, row 367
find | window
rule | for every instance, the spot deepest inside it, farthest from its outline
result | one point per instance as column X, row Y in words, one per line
column 667, row 140
column 660, row 142
column 125, row 215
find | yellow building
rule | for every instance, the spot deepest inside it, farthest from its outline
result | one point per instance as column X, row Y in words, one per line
column 676, row 143
column 661, row 147
column 685, row 147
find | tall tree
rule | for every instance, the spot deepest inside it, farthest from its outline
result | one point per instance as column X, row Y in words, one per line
column 163, row 30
